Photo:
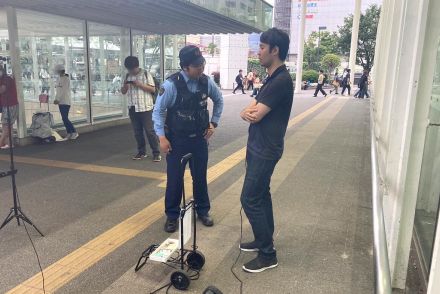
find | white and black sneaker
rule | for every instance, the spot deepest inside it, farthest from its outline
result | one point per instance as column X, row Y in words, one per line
column 259, row 264
column 139, row 156
column 249, row 247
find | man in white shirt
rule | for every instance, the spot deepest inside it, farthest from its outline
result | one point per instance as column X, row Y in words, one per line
column 139, row 88
column 320, row 84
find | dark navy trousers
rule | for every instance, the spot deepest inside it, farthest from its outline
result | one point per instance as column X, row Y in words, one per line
column 181, row 146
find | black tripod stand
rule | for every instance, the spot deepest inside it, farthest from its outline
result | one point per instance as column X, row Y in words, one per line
column 16, row 211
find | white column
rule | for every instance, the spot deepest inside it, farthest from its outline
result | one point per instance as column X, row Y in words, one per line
column 175, row 54
column 125, row 50
column 14, row 50
column 88, row 86
column 299, row 60
column 67, row 62
column 162, row 57
column 233, row 57
column 354, row 38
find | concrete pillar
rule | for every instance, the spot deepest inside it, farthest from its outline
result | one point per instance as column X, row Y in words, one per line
column 35, row 67
column 102, row 68
column 88, row 86
column 354, row 38
column 126, row 50
column 162, row 57
column 50, row 69
column 299, row 61
column 14, row 50
column 175, row 54
column 67, row 61
column 234, row 51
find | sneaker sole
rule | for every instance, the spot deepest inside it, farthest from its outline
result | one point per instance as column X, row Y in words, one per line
column 248, row 250
column 259, row 270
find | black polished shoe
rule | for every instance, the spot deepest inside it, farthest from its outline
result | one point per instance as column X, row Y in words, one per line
column 206, row 220
column 170, row 225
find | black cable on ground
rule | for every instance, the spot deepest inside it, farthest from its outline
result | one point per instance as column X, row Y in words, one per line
column 33, row 246
column 239, row 254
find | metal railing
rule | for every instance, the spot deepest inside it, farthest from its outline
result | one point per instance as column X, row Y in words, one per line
column 381, row 263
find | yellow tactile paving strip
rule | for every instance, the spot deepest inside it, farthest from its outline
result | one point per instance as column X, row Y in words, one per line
column 88, row 167
column 66, row 269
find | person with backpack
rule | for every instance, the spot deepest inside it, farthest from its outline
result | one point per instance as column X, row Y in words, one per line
column 63, row 100
column 346, row 82
column 321, row 80
column 335, row 83
column 140, row 88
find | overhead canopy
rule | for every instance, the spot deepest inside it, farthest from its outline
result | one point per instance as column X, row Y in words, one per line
column 153, row 16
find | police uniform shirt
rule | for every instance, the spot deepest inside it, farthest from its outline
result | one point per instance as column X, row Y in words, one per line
column 266, row 138
column 167, row 98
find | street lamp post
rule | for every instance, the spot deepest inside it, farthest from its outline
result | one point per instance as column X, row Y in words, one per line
column 319, row 38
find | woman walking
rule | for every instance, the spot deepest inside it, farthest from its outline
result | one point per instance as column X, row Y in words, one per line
column 63, row 100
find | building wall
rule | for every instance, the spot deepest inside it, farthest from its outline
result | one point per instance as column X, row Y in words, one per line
column 406, row 91
column 233, row 57
column 329, row 13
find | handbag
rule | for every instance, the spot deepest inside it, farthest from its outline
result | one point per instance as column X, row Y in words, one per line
column 43, row 98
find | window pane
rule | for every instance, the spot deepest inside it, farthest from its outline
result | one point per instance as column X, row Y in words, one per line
column 109, row 45
column 429, row 186
column 173, row 44
column 147, row 48
column 45, row 41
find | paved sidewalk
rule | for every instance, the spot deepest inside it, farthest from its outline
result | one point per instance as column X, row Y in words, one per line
column 321, row 190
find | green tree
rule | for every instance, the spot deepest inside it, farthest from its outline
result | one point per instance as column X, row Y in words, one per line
column 211, row 48
column 367, row 36
column 254, row 65
column 312, row 54
column 329, row 62
column 310, row 75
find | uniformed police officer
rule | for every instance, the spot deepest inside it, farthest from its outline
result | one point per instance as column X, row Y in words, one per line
column 181, row 120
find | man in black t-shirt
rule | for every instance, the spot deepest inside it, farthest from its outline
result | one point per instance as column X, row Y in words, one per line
column 268, row 116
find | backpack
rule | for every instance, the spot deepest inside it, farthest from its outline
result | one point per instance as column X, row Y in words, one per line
column 157, row 87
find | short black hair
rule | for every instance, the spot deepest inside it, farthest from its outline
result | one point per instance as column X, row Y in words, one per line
column 321, row 71
column 131, row 62
column 276, row 37
column 240, row 70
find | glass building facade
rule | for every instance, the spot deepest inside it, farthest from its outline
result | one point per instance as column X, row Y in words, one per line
column 93, row 52
column 93, row 55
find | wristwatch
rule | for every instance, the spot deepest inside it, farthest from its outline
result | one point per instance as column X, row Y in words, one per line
column 214, row 124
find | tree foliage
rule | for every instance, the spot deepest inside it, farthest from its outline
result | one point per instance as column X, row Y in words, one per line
column 366, row 39
column 329, row 62
column 338, row 43
column 312, row 54
column 310, row 75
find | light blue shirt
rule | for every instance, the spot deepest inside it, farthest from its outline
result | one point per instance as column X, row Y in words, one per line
column 168, row 98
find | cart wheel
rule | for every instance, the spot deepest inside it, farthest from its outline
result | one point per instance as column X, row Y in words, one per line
column 180, row 280
column 195, row 260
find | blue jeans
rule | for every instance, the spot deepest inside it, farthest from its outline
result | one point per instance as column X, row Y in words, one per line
column 181, row 146
column 64, row 110
column 257, row 202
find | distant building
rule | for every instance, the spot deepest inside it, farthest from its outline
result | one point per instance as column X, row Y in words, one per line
column 320, row 13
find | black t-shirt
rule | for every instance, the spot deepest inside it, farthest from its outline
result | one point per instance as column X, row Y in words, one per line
column 266, row 138
column 238, row 79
